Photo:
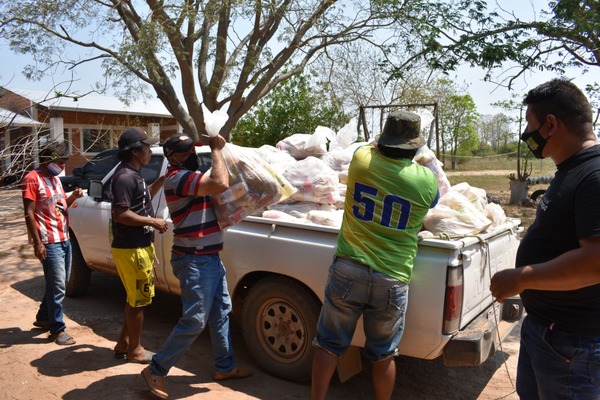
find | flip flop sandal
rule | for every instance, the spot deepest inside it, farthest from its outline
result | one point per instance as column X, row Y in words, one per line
column 146, row 360
column 63, row 339
column 120, row 355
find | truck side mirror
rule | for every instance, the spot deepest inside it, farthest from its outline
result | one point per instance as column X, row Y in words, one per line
column 95, row 190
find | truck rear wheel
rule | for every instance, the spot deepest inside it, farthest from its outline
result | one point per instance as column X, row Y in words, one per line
column 279, row 323
column 79, row 281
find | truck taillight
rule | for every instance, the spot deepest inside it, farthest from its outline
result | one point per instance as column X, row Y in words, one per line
column 453, row 300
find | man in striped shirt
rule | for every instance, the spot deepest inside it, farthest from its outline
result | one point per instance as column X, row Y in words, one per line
column 195, row 260
column 46, row 216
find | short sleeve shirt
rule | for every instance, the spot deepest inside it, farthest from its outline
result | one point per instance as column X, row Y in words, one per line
column 568, row 212
column 195, row 227
column 51, row 210
column 128, row 189
column 386, row 202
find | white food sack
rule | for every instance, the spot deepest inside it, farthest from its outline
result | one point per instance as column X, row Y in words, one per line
column 477, row 196
column 300, row 209
column 496, row 214
column 427, row 158
column 455, row 215
column 314, row 181
column 297, row 146
column 326, row 218
column 347, row 135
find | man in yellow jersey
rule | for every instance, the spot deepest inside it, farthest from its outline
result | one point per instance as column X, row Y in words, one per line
column 387, row 197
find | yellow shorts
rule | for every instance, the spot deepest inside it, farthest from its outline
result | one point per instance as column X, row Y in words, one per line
column 136, row 267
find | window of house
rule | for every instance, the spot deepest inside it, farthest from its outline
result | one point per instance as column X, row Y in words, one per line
column 96, row 140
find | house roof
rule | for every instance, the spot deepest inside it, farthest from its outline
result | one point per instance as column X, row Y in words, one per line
column 94, row 102
column 13, row 119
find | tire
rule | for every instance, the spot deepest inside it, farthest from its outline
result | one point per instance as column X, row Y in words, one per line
column 79, row 281
column 279, row 322
column 537, row 195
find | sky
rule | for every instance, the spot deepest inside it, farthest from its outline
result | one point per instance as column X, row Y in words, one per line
column 483, row 93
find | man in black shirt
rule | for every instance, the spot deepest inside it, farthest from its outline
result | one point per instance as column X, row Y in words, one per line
column 557, row 269
column 133, row 225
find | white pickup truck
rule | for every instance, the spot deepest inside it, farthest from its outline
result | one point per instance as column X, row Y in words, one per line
column 276, row 272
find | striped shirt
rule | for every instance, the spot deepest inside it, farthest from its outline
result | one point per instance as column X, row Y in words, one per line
column 51, row 218
column 195, row 227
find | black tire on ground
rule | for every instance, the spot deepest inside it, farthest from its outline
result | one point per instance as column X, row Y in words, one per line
column 79, row 281
column 537, row 195
column 279, row 322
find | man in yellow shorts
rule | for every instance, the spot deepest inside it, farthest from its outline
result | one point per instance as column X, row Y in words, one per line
column 136, row 271
column 133, row 226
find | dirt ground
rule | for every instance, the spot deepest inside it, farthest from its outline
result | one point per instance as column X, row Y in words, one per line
column 33, row 368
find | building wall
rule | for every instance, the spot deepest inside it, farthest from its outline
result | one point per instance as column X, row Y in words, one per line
column 77, row 122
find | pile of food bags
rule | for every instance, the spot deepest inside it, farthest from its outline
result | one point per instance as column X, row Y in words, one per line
column 303, row 179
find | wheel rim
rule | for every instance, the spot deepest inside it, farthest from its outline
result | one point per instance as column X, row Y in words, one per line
column 281, row 331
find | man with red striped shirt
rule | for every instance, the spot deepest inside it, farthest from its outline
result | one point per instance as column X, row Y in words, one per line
column 46, row 216
column 197, row 241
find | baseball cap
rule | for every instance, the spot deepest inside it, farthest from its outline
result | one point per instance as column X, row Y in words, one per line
column 178, row 143
column 133, row 138
column 402, row 130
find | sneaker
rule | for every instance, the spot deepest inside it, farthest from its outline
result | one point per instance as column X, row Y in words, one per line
column 155, row 383
column 236, row 373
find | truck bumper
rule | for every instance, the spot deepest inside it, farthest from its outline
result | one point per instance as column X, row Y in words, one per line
column 479, row 340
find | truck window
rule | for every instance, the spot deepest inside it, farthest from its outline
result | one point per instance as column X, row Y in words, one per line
column 150, row 173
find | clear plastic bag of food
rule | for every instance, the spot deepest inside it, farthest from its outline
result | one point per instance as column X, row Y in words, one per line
column 253, row 186
column 455, row 215
column 314, row 180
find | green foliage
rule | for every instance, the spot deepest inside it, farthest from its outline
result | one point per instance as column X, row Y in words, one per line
column 510, row 149
column 293, row 107
column 458, row 124
column 483, row 36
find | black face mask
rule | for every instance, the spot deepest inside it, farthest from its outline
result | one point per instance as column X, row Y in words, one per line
column 191, row 162
column 535, row 141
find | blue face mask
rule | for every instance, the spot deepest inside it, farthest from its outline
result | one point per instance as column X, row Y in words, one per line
column 535, row 142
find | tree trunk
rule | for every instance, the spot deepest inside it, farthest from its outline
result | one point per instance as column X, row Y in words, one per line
column 518, row 190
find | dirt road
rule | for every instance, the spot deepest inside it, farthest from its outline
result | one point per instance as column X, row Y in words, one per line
column 33, row 368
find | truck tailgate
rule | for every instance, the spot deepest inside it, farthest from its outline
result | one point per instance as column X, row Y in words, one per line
column 479, row 258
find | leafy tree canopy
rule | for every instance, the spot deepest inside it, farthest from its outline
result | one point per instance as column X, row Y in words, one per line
column 565, row 35
column 292, row 107
column 225, row 54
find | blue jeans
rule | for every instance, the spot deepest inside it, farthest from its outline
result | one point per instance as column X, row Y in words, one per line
column 557, row 365
column 353, row 290
column 205, row 300
column 57, row 268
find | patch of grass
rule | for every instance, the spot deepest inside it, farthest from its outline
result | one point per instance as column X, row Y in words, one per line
column 490, row 183
column 538, row 167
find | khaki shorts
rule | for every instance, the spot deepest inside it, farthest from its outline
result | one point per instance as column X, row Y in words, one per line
column 135, row 267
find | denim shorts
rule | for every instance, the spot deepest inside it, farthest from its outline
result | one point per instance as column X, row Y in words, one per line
column 353, row 290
